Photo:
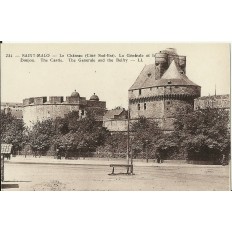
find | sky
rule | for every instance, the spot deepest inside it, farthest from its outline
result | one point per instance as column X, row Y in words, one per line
column 208, row 65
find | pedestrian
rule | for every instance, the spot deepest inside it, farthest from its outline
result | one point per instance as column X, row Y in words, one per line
column 58, row 153
column 158, row 159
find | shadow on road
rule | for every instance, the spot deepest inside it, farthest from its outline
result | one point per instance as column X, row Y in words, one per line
column 12, row 184
column 7, row 186
column 16, row 181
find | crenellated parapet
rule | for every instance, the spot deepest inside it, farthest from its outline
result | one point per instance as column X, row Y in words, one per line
column 184, row 97
column 40, row 108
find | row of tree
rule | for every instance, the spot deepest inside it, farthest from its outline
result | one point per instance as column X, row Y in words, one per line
column 198, row 135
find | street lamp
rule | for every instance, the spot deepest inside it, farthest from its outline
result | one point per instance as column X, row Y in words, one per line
column 146, row 149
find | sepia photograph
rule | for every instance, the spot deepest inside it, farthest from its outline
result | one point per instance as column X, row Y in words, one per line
column 115, row 117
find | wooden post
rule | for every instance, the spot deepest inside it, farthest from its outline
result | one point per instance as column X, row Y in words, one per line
column 128, row 136
column 2, row 167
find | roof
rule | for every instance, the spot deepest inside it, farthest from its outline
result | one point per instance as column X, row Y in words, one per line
column 147, row 74
column 225, row 96
column 94, row 97
column 11, row 104
column 75, row 94
column 173, row 76
column 112, row 113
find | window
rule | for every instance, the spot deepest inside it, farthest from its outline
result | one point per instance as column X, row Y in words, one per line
column 140, row 91
column 168, row 102
column 167, row 108
column 150, row 89
column 149, row 74
column 82, row 112
column 145, row 106
column 169, row 82
column 138, row 106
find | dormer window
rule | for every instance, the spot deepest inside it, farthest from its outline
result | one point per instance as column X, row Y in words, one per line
column 149, row 74
column 169, row 82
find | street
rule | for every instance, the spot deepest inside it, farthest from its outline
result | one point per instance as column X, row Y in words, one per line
column 39, row 176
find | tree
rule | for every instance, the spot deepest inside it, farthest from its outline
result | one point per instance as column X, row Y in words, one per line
column 12, row 131
column 204, row 134
column 167, row 147
column 145, row 135
column 41, row 135
column 74, row 133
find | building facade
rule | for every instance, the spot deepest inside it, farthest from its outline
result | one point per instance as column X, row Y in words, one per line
column 116, row 120
column 162, row 90
column 40, row 108
column 14, row 108
column 217, row 101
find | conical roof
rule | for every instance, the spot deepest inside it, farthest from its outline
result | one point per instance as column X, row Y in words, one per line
column 174, row 76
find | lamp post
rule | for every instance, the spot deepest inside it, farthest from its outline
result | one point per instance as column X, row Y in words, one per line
column 128, row 142
column 146, row 150
column 128, row 136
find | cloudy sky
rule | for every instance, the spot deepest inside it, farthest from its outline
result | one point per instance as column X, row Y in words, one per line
column 207, row 65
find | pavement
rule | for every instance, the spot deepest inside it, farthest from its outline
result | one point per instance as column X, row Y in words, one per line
column 49, row 174
column 98, row 161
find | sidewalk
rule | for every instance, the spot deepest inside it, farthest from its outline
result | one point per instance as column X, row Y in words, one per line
column 95, row 161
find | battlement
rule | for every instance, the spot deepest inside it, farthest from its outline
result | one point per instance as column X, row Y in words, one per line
column 73, row 100
column 56, row 99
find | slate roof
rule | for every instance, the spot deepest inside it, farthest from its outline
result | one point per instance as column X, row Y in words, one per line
column 173, row 76
column 147, row 74
column 111, row 113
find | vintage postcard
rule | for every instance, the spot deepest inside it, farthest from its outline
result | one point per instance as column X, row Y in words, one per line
column 115, row 116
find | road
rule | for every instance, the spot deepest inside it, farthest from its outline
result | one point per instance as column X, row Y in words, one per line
column 58, row 176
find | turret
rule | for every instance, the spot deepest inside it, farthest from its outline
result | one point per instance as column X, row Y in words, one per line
column 161, row 64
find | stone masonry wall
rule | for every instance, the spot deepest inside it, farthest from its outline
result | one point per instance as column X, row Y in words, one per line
column 34, row 113
column 116, row 125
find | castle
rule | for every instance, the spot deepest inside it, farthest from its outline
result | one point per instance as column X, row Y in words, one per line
column 39, row 108
column 162, row 90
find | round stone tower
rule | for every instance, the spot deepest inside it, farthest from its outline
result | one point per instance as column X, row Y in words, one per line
column 161, row 98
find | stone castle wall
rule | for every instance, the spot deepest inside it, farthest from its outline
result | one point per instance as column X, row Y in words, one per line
column 39, row 109
column 34, row 113
column 163, row 90
column 119, row 125
column 162, row 103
